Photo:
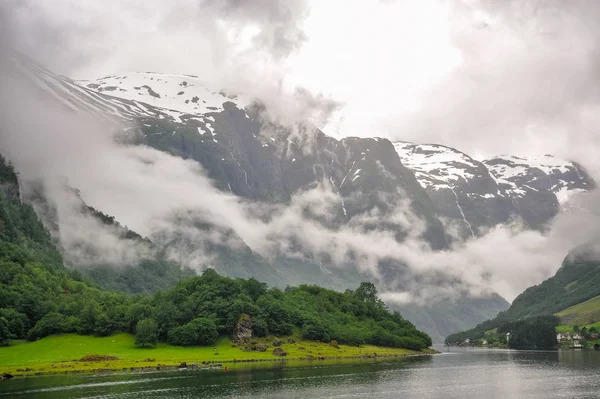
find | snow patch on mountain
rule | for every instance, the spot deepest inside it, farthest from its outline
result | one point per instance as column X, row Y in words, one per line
column 547, row 172
column 439, row 167
column 436, row 166
column 181, row 94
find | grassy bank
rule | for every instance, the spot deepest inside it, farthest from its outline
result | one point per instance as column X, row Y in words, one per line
column 62, row 354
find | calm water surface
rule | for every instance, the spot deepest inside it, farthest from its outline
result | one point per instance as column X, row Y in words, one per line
column 457, row 373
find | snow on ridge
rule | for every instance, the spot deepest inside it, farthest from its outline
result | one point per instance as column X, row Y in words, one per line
column 440, row 167
column 510, row 165
column 184, row 94
column 436, row 166
column 517, row 169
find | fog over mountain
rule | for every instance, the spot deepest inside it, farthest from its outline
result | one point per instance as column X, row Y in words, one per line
column 479, row 178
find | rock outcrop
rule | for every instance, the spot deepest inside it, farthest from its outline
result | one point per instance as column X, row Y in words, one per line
column 242, row 333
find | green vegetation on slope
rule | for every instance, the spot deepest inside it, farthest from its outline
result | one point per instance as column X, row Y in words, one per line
column 531, row 333
column 585, row 313
column 577, row 281
column 39, row 297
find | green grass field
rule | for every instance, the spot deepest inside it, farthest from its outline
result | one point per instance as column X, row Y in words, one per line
column 584, row 313
column 60, row 354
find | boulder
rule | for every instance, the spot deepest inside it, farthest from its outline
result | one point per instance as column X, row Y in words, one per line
column 7, row 376
column 260, row 347
column 279, row 352
column 277, row 342
column 335, row 344
column 242, row 333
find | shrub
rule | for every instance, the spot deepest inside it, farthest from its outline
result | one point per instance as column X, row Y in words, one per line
column 200, row 331
column 146, row 333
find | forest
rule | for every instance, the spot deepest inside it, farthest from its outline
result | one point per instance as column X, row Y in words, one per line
column 537, row 332
column 39, row 297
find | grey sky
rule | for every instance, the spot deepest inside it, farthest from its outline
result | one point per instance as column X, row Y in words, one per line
column 482, row 76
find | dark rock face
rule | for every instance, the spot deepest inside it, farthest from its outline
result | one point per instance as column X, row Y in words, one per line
column 471, row 196
column 242, row 333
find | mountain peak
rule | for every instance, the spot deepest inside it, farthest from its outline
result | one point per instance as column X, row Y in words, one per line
column 179, row 94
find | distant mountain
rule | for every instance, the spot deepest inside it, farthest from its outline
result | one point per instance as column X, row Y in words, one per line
column 475, row 196
column 243, row 153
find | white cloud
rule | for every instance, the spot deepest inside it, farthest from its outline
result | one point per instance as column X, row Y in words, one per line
column 481, row 78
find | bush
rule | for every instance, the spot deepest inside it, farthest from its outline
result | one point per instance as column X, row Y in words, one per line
column 182, row 336
column 4, row 332
column 314, row 331
column 146, row 333
column 206, row 331
column 260, row 327
column 200, row 331
column 52, row 323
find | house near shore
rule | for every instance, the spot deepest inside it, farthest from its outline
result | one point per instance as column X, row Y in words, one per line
column 564, row 337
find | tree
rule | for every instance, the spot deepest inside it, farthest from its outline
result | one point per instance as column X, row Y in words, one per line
column 206, row 330
column 366, row 292
column 315, row 331
column 4, row 332
column 182, row 336
column 200, row 331
column 146, row 333
column 576, row 328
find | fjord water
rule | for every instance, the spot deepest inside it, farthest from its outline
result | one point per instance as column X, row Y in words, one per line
column 455, row 373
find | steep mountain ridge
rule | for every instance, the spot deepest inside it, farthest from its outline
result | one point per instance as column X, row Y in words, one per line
column 247, row 155
column 478, row 195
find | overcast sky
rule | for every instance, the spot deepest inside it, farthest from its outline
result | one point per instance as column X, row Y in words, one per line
column 485, row 76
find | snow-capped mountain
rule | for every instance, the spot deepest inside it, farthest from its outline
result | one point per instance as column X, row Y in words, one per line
column 180, row 96
column 564, row 178
column 438, row 166
column 476, row 195
column 456, row 196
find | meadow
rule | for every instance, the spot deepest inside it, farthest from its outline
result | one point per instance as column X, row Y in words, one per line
column 63, row 353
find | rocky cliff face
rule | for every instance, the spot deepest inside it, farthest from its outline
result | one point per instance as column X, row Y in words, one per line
column 453, row 196
column 471, row 196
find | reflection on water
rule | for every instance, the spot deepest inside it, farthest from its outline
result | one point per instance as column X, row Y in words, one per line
column 457, row 373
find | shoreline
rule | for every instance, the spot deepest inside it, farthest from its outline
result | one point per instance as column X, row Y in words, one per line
column 92, row 355
column 66, row 368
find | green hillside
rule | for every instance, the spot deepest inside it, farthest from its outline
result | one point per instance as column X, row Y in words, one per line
column 584, row 313
column 571, row 294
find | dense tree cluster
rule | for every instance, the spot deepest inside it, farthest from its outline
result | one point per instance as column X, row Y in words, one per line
column 531, row 333
column 39, row 297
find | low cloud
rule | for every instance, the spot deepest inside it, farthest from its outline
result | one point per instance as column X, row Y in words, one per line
column 165, row 197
